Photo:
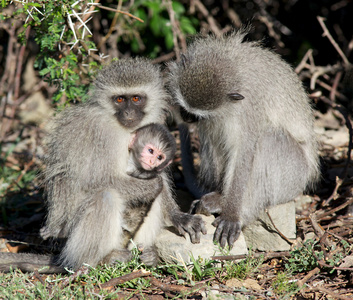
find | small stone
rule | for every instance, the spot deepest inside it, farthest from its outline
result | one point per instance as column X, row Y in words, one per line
column 173, row 248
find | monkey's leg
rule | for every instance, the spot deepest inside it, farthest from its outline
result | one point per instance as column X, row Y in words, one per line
column 98, row 230
column 147, row 233
column 276, row 174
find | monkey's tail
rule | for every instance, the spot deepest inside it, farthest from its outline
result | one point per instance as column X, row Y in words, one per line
column 29, row 262
column 187, row 163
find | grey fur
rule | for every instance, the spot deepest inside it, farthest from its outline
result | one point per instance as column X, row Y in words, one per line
column 91, row 199
column 255, row 123
column 29, row 262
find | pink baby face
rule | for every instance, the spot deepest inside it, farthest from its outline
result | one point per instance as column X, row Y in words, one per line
column 151, row 157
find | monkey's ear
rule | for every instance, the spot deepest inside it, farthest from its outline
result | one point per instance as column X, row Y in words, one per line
column 235, row 96
column 132, row 140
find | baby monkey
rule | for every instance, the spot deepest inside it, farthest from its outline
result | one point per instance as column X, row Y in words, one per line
column 151, row 150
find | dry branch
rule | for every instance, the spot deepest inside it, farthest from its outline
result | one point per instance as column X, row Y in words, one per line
column 122, row 279
column 267, row 255
column 331, row 39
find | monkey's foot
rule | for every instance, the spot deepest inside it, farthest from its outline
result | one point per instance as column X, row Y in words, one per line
column 207, row 205
column 46, row 233
column 226, row 231
column 122, row 255
column 149, row 256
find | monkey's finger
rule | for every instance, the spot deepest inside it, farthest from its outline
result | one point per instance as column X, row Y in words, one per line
column 203, row 227
column 227, row 227
column 193, row 236
column 218, row 231
column 181, row 231
column 197, row 237
column 234, row 234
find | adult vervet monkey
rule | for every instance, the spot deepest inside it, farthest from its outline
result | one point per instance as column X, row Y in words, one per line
column 255, row 124
column 91, row 199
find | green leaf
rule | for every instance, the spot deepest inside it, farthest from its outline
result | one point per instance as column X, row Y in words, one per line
column 169, row 42
column 187, row 26
column 156, row 25
column 44, row 71
column 155, row 6
column 178, row 8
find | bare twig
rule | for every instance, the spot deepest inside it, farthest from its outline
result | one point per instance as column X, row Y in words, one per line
column 334, row 210
column 329, row 292
column 308, row 276
column 211, row 21
column 90, row 11
column 111, row 28
column 265, row 18
column 255, row 255
column 308, row 56
column 333, row 42
column 334, row 194
column 329, row 88
column 335, row 85
column 343, row 174
column 81, row 271
column 163, row 58
column 278, row 231
column 120, row 280
column 120, row 12
column 175, row 288
column 177, row 35
column 319, row 231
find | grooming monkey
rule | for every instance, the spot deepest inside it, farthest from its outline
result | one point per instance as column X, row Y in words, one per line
column 255, row 124
column 91, row 199
column 152, row 149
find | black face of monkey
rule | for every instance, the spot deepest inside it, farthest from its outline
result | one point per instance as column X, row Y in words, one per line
column 129, row 109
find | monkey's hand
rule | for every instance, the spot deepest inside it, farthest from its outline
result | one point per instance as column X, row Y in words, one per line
column 207, row 205
column 227, row 231
column 193, row 225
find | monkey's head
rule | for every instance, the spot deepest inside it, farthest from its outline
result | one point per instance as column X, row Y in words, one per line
column 203, row 81
column 132, row 91
column 152, row 148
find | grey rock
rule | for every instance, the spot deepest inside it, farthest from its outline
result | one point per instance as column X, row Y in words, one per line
column 173, row 248
column 262, row 235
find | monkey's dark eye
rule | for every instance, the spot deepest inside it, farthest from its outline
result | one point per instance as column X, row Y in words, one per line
column 159, row 157
column 118, row 99
column 235, row 96
column 150, row 150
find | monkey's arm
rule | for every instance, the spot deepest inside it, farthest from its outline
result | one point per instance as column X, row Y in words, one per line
column 183, row 222
column 143, row 189
column 28, row 262
column 227, row 229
